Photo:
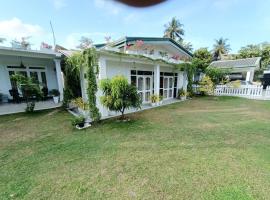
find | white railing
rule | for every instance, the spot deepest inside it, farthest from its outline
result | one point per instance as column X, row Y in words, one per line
column 246, row 91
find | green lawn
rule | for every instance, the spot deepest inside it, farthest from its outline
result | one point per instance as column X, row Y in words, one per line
column 200, row 149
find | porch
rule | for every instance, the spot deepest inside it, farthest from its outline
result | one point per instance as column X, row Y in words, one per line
column 11, row 108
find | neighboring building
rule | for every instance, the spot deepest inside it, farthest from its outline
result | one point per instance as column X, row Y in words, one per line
column 147, row 63
column 44, row 66
column 241, row 69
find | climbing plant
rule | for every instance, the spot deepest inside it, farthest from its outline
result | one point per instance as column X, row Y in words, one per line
column 190, row 70
column 90, row 62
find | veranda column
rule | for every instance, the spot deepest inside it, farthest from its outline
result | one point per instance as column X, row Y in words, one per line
column 102, row 75
column 248, row 76
column 156, row 79
column 59, row 77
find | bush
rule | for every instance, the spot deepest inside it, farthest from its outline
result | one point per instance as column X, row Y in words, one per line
column 78, row 121
column 182, row 93
column 206, row 86
column 30, row 107
column 67, row 97
column 119, row 95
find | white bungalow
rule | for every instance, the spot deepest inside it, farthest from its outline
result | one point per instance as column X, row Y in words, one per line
column 44, row 66
column 241, row 69
column 148, row 63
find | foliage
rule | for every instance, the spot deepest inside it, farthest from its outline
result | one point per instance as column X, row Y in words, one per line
column 160, row 98
column 190, row 69
column 90, row 62
column 187, row 45
column 235, row 84
column 2, row 40
column 260, row 50
column 174, row 29
column 221, row 48
column 182, row 93
column 30, row 106
column 30, row 90
column 67, row 97
column 119, row 95
column 201, row 59
column 85, row 43
column 154, row 98
column 72, row 74
column 78, row 121
column 81, row 103
column 217, row 75
column 206, row 86
column 54, row 92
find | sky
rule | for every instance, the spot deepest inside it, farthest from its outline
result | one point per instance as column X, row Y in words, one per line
column 242, row 22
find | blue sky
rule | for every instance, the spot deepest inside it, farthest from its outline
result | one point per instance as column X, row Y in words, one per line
column 241, row 21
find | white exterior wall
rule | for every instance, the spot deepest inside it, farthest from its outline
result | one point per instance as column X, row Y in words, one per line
column 5, row 61
column 111, row 67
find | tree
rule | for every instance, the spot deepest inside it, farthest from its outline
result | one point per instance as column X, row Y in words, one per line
column 119, row 95
column 201, row 59
column 187, row 45
column 206, row 86
column 174, row 29
column 221, row 48
column 30, row 90
column 217, row 75
column 85, row 43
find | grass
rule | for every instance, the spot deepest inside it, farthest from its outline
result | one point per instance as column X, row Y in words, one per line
column 200, row 149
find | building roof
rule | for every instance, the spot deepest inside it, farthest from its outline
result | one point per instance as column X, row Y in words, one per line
column 151, row 39
column 247, row 62
column 29, row 53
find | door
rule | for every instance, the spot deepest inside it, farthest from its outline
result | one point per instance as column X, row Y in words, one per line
column 144, row 88
column 168, row 87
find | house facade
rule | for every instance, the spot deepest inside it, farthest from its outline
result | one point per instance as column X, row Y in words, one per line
column 241, row 69
column 44, row 66
column 147, row 63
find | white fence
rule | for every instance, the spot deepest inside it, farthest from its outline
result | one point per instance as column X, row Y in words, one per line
column 249, row 91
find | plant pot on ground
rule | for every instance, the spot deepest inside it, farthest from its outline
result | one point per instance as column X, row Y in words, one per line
column 154, row 100
column 182, row 94
column 55, row 93
column 78, row 121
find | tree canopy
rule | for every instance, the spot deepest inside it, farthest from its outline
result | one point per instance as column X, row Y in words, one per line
column 174, row 29
column 201, row 59
column 220, row 48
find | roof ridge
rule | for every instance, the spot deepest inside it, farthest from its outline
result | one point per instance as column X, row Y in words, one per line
column 236, row 59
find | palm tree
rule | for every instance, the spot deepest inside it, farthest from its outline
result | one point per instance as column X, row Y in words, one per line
column 174, row 29
column 221, row 48
column 2, row 40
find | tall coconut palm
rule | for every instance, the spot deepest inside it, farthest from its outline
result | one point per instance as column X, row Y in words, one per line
column 221, row 48
column 174, row 29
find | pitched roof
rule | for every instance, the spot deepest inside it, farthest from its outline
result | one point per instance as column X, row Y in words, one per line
column 247, row 62
column 151, row 39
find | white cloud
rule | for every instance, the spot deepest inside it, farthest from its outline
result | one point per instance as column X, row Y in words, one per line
column 59, row 4
column 108, row 6
column 15, row 28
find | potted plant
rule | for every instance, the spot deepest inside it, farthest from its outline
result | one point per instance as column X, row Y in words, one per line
column 83, row 106
column 78, row 121
column 55, row 93
column 182, row 94
column 154, row 100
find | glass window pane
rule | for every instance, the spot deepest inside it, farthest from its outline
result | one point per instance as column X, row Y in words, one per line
column 147, row 96
column 170, row 93
column 175, row 81
column 165, row 94
column 161, row 92
column 133, row 80
column 148, row 83
column 141, row 96
column 44, row 79
column 140, row 83
column 34, row 76
column 12, row 82
column 133, row 72
column 161, row 82
column 170, row 82
column 165, row 82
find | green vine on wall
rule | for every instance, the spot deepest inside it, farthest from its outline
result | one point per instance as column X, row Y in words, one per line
column 90, row 60
column 190, row 70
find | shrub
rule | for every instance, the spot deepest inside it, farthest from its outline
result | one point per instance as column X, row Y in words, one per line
column 154, row 98
column 206, row 86
column 119, row 95
column 78, row 121
column 182, row 93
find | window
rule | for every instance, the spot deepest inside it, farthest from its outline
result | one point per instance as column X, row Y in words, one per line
column 43, row 79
